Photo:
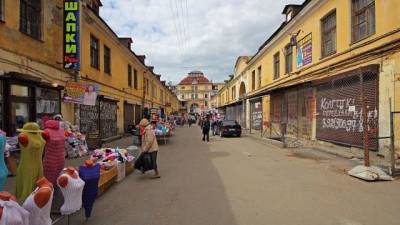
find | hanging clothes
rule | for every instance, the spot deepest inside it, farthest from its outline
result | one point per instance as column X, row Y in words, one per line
column 3, row 167
column 13, row 214
column 30, row 168
column 38, row 216
column 91, row 176
column 54, row 153
column 72, row 194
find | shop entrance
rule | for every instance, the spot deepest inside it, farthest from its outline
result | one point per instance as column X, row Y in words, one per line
column 27, row 102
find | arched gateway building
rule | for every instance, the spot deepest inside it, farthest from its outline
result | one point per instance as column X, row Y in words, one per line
column 195, row 92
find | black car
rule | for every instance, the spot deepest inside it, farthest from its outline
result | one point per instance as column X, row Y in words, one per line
column 230, row 128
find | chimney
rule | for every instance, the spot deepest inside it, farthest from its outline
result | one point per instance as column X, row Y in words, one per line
column 141, row 58
column 126, row 41
column 151, row 68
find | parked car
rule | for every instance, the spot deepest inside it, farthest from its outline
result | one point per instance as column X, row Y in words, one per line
column 230, row 128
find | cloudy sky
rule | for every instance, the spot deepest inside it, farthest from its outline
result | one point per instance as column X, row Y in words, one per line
column 178, row 36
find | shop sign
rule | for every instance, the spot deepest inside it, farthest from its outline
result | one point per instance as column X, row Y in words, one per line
column 304, row 51
column 81, row 93
column 71, row 35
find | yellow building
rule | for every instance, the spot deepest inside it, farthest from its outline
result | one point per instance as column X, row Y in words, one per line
column 195, row 91
column 128, row 87
column 311, row 75
column 31, row 68
column 32, row 75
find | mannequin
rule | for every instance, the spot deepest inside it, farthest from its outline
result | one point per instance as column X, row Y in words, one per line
column 38, row 204
column 54, row 153
column 30, row 168
column 90, row 173
column 3, row 167
column 71, row 186
column 10, row 212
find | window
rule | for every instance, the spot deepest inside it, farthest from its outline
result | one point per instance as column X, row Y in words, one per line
column 288, row 58
column 259, row 76
column 276, row 65
column 1, row 10
column 30, row 17
column 129, row 76
column 328, row 32
column 233, row 93
column 182, row 88
column 205, row 96
column 183, row 97
column 153, row 90
column 161, row 96
column 107, row 60
column 363, row 19
column 135, row 79
column 94, row 52
column 253, row 80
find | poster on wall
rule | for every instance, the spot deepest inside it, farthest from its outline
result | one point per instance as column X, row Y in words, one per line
column 304, row 51
column 71, row 35
column 81, row 93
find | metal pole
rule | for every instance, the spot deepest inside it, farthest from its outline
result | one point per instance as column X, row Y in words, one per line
column 365, row 122
column 392, row 152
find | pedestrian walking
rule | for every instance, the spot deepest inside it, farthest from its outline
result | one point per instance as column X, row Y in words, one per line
column 150, row 145
column 206, row 129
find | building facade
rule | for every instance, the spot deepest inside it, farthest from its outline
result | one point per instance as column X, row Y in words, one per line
column 327, row 67
column 195, row 92
column 32, row 75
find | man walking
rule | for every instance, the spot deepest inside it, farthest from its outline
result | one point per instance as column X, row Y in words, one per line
column 206, row 129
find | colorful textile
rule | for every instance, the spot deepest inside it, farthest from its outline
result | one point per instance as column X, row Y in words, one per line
column 3, row 167
column 91, row 176
column 54, row 153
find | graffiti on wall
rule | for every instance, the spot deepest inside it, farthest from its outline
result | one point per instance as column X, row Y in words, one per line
column 345, row 114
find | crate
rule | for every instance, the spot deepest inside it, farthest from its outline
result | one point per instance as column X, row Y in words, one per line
column 107, row 179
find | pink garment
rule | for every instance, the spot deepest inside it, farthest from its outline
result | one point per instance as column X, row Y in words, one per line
column 54, row 156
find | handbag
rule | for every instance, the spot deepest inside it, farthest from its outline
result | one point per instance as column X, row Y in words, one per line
column 144, row 162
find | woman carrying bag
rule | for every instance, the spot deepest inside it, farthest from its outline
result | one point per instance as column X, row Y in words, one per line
column 149, row 150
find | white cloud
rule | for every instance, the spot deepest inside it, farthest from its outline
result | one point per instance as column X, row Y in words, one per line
column 209, row 36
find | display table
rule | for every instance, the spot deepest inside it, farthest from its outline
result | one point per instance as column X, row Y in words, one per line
column 107, row 178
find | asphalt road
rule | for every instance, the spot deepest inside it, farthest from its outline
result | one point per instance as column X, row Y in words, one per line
column 243, row 181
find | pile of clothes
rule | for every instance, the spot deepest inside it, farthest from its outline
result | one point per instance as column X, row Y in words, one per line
column 75, row 141
column 106, row 156
column 162, row 129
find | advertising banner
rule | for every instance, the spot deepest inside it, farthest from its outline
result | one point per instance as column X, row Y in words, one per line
column 304, row 51
column 71, row 35
column 81, row 93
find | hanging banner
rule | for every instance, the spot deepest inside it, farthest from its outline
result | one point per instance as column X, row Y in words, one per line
column 304, row 51
column 71, row 35
column 81, row 93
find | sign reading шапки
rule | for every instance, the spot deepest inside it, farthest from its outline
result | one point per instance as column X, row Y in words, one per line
column 71, row 35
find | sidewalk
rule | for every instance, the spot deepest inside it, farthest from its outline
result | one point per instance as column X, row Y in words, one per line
column 350, row 153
